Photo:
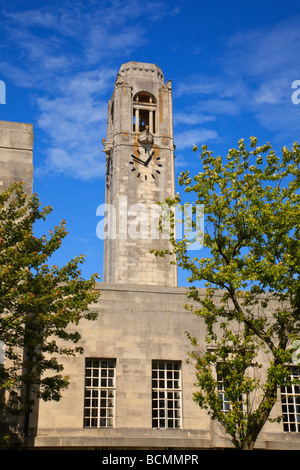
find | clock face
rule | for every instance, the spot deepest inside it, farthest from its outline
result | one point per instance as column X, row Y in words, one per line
column 145, row 164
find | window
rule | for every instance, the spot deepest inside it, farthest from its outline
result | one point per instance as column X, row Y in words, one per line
column 144, row 107
column 222, row 395
column 290, row 402
column 226, row 404
column 166, row 394
column 99, row 396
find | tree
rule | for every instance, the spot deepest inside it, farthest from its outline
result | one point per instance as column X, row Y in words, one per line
column 39, row 305
column 252, row 222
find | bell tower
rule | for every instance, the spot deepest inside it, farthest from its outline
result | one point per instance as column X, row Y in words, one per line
column 139, row 152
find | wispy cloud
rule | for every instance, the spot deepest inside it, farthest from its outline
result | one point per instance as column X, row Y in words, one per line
column 73, row 122
column 264, row 52
column 66, row 56
column 255, row 71
column 192, row 118
column 199, row 136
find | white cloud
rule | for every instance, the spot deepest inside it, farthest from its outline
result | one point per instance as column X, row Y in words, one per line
column 267, row 52
column 256, row 71
column 273, row 92
column 191, row 118
column 188, row 138
column 18, row 75
column 74, row 123
column 63, row 51
column 195, row 85
column 217, row 106
column 59, row 54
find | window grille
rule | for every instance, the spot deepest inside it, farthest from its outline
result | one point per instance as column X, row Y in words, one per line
column 99, row 398
column 290, row 402
column 226, row 404
column 166, row 394
column 222, row 394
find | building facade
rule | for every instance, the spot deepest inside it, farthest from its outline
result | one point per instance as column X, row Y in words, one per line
column 133, row 387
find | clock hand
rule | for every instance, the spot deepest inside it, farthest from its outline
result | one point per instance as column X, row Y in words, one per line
column 138, row 160
column 149, row 159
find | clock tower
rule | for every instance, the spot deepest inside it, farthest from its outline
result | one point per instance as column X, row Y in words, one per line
column 139, row 152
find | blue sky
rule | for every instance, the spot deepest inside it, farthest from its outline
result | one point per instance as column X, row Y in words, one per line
column 232, row 65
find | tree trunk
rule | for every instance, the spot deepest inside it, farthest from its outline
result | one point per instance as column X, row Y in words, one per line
column 264, row 411
column 248, row 444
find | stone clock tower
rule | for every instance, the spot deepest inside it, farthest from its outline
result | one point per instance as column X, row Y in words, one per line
column 139, row 152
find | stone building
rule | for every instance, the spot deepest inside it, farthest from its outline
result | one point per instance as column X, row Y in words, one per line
column 132, row 388
column 16, row 165
column 16, row 146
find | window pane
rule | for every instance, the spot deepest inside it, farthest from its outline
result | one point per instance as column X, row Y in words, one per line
column 290, row 399
column 165, row 399
column 99, row 412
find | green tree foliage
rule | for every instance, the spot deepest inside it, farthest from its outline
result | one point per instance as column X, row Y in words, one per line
column 40, row 306
column 252, row 221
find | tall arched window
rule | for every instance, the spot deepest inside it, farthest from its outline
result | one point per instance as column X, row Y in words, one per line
column 144, row 112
